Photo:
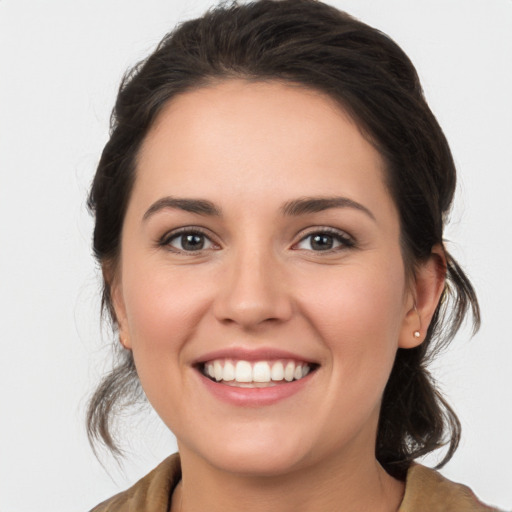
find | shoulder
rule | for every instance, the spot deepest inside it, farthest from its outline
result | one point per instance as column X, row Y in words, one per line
column 427, row 490
column 151, row 493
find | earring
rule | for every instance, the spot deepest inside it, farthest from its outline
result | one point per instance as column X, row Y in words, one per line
column 417, row 334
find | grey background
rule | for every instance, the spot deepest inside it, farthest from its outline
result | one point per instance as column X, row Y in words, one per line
column 60, row 65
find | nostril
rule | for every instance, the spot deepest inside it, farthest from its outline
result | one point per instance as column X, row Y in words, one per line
column 251, row 314
column 253, row 292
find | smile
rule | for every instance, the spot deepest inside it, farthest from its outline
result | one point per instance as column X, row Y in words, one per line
column 241, row 373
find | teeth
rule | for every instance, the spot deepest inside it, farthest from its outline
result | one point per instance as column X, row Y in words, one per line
column 243, row 371
column 277, row 372
column 217, row 370
column 289, row 371
column 246, row 374
column 229, row 371
column 261, row 372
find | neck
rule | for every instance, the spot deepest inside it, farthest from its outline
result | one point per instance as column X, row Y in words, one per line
column 348, row 484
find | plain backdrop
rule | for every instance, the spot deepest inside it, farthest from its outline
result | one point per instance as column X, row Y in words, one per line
column 60, row 65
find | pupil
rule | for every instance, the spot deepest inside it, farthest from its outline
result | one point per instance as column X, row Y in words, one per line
column 193, row 242
column 322, row 242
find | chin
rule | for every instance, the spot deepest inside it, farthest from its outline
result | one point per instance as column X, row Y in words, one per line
column 263, row 456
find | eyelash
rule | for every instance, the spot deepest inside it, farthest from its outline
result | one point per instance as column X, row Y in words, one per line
column 166, row 240
column 344, row 240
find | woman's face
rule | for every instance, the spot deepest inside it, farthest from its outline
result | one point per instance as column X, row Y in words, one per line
column 261, row 245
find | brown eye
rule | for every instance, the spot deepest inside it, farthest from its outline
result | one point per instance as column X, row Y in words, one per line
column 189, row 241
column 322, row 242
column 325, row 241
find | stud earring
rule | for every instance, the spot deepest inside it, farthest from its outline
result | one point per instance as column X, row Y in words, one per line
column 417, row 334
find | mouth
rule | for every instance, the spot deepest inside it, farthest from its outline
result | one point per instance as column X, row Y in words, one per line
column 255, row 374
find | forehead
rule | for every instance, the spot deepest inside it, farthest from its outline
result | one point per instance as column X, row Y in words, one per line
column 252, row 138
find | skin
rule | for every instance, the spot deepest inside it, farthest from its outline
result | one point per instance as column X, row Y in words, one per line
column 249, row 148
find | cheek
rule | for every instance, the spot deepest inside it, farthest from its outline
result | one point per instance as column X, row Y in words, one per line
column 358, row 314
column 163, row 313
column 162, row 310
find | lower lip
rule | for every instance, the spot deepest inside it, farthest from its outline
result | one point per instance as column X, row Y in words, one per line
column 254, row 397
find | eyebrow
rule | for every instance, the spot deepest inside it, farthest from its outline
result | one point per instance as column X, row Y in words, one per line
column 296, row 207
column 198, row 206
column 305, row 205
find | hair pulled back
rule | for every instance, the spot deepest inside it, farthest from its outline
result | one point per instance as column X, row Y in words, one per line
column 308, row 43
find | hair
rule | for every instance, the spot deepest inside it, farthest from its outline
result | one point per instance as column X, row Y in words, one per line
column 308, row 43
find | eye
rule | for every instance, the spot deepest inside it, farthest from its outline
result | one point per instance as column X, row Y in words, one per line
column 325, row 240
column 187, row 241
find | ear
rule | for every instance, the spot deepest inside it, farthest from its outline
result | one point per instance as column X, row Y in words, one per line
column 117, row 299
column 425, row 292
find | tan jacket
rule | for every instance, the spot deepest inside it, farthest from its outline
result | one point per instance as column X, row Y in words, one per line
column 425, row 491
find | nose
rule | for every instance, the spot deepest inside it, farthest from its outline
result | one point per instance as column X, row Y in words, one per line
column 253, row 291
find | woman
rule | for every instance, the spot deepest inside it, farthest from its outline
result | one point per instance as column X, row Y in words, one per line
column 269, row 221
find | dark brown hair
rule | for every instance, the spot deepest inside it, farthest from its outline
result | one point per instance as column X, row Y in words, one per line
column 314, row 45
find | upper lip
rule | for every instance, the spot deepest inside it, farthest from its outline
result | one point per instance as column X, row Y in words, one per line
column 251, row 354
